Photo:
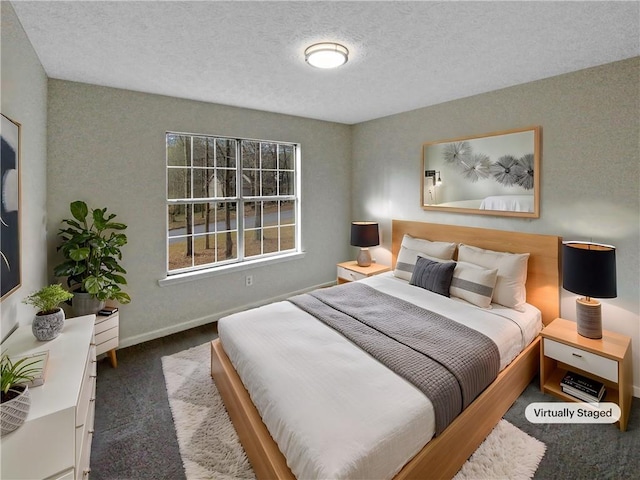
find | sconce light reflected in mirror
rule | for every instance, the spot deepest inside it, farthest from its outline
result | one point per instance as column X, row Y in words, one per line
column 437, row 179
column 432, row 180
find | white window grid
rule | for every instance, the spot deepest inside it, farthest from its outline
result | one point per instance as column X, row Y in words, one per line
column 237, row 227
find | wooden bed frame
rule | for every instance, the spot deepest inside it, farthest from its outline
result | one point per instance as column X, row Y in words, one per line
column 443, row 456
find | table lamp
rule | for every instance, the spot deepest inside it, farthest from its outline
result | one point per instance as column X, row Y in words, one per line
column 364, row 235
column 589, row 269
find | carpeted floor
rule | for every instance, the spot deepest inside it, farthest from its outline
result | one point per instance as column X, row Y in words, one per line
column 135, row 437
column 210, row 447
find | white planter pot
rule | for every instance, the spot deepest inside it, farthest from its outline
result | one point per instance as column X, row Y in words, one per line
column 85, row 304
column 14, row 412
column 48, row 327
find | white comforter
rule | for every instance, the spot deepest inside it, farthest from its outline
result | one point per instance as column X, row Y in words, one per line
column 508, row 203
column 334, row 411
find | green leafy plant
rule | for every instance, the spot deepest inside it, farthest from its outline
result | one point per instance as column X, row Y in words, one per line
column 15, row 373
column 47, row 299
column 92, row 253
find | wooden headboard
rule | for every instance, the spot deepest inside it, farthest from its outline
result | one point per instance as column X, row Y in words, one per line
column 543, row 272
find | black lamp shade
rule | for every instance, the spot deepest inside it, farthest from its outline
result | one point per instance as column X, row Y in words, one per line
column 589, row 269
column 364, row 234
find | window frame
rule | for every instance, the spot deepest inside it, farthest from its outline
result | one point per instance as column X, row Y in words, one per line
column 241, row 200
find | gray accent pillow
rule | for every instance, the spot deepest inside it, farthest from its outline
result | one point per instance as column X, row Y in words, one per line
column 433, row 276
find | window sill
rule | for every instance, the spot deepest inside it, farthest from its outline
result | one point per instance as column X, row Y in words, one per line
column 236, row 267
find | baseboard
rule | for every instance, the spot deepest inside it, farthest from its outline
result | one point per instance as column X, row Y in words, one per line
column 197, row 322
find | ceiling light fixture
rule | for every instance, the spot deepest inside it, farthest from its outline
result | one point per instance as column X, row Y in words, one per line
column 326, row 55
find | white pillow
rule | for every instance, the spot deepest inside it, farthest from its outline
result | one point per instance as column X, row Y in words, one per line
column 510, row 288
column 412, row 247
column 473, row 283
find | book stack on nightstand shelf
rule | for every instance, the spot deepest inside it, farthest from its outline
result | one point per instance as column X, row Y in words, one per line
column 583, row 388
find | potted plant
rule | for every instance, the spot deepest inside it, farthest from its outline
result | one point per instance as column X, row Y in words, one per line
column 15, row 398
column 49, row 317
column 91, row 248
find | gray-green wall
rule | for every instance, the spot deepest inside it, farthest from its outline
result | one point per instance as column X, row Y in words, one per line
column 590, row 169
column 107, row 147
column 24, row 100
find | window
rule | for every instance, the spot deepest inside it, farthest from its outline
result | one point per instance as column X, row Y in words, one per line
column 229, row 200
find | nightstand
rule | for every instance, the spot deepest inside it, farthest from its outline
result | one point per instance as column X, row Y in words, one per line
column 107, row 335
column 351, row 271
column 607, row 359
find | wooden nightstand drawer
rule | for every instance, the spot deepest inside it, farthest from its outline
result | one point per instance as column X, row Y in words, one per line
column 350, row 274
column 589, row 362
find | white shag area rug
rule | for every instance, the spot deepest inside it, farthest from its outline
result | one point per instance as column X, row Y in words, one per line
column 210, row 448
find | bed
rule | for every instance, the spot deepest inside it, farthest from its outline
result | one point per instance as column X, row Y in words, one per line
column 502, row 203
column 509, row 203
column 444, row 454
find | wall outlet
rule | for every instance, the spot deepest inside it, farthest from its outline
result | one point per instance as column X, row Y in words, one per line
column 248, row 280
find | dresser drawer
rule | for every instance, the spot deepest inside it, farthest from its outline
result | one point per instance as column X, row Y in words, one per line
column 84, row 438
column 106, row 323
column 68, row 475
column 105, row 336
column 87, row 389
column 587, row 361
column 350, row 274
column 110, row 344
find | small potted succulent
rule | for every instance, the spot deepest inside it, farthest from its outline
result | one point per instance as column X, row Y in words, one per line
column 15, row 399
column 49, row 319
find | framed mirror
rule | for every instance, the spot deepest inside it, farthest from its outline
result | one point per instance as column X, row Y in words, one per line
column 492, row 174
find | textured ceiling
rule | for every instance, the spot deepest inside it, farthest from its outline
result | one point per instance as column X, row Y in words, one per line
column 403, row 55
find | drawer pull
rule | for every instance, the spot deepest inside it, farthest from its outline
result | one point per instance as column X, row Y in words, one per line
column 86, row 472
column 92, row 399
column 576, row 355
column 93, row 376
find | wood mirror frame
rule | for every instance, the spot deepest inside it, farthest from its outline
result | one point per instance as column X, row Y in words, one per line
column 491, row 174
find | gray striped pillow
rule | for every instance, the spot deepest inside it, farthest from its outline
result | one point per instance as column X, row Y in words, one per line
column 473, row 283
column 510, row 289
column 412, row 247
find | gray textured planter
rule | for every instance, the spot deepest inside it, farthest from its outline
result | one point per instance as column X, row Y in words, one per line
column 85, row 304
column 14, row 412
column 48, row 327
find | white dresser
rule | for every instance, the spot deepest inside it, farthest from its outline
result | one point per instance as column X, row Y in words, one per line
column 55, row 440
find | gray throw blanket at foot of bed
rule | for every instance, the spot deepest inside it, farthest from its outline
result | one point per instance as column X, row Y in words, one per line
column 449, row 362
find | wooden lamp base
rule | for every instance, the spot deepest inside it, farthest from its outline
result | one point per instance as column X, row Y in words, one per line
column 589, row 317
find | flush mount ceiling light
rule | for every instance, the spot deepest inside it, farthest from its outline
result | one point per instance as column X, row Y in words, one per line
column 326, row 55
